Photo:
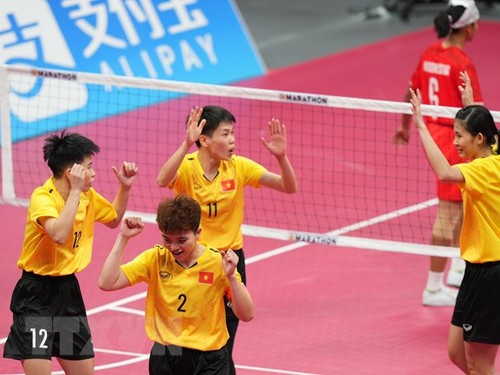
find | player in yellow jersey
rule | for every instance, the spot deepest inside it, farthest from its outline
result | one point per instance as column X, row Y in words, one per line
column 187, row 282
column 49, row 314
column 215, row 177
column 474, row 336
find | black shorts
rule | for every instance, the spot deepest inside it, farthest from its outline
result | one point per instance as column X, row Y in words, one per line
column 241, row 267
column 477, row 310
column 49, row 319
column 176, row 360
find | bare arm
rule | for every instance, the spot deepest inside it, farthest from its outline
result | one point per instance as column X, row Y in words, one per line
column 61, row 227
column 277, row 145
column 444, row 171
column 241, row 301
column 194, row 127
column 112, row 277
column 402, row 134
column 126, row 177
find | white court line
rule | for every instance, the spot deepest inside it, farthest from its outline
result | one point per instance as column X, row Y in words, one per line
column 128, row 310
column 274, row 371
column 119, row 352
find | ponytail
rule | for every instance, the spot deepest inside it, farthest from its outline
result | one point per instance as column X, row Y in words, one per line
column 444, row 20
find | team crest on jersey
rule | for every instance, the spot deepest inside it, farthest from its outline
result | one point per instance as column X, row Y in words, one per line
column 228, row 185
column 164, row 275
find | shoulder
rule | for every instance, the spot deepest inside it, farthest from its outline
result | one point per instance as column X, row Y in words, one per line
column 191, row 156
column 151, row 255
column 47, row 190
column 189, row 161
column 242, row 160
column 431, row 50
column 212, row 253
column 489, row 163
column 209, row 249
column 96, row 198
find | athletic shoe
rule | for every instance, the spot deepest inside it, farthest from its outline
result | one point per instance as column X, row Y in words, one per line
column 442, row 297
column 454, row 277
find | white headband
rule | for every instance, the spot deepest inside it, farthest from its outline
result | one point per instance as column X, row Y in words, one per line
column 470, row 15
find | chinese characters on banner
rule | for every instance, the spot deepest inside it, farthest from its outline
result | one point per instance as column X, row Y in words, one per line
column 184, row 40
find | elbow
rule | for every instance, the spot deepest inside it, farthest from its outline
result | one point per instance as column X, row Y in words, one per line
column 247, row 316
column 444, row 177
column 161, row 182
column 105, row 286
column 113, row 224
column 59, row 241
column 247, row 313
column 59, row 238
column 291, row 189
column 105, row 283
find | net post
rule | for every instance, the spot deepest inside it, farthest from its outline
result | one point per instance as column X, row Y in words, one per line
column 8, row 191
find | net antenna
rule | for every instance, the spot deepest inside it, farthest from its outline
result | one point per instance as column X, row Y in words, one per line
column 356, row 188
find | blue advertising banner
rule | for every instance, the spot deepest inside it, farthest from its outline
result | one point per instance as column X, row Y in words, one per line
column 184, row 40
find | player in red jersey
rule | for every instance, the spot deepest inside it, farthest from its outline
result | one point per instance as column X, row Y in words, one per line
column 437, row 77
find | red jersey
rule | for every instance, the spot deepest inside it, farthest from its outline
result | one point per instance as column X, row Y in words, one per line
column 438, row 76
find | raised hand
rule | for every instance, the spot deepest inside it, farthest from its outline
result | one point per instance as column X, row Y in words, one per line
column 126, row 174
column 194, row 127
column 277, row 138
column 131, row 226
column 416, row 102
column 77, row 177
column 466, row 89
column 229, row 262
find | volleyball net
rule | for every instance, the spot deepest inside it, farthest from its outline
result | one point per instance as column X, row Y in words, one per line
column 356, row 188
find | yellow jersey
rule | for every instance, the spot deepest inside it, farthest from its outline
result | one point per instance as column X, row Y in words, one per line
column 222, row 199
column 480, row 236
column 184, row 306
column 40, row 254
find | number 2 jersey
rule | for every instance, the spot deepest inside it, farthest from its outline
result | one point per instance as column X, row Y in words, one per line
column 437, row 76
column 222, row 199
column 41, row 254
column 184, row 306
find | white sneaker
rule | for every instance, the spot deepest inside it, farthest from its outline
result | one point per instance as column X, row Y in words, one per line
column 454, row 277
column 442, row 297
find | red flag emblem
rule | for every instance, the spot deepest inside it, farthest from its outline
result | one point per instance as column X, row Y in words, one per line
column 206, row 277
column 228, row 185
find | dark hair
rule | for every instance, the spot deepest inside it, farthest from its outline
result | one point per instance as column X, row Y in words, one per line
column 478, row 119
column 179, row 214
column 445, row 18
column 64, row 150
column 214, row 115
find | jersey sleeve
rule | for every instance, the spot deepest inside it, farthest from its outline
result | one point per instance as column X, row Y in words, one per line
column 250, row 170
column 42, row 204
column 104, row 210
column 179, row 182
column 139, row 269
column 415, row 81
column 476, row 175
